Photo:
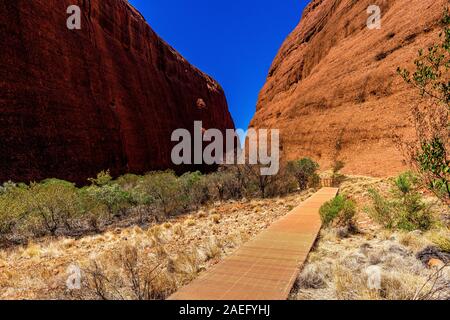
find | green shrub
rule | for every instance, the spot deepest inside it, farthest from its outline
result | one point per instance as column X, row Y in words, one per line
column 224, row 184
column 12, row 210
column 254, row 181
column 303, row 170
column 111, row 196
column 103, row 178
column 194, row 189
column 284, row 183
column 50, row 205
column 129, row 181
column 382, row 210
column 404, row 183
column 314, row 181
column 163, row 189
column 414, row 214
column 339, row 211
column 405, row 209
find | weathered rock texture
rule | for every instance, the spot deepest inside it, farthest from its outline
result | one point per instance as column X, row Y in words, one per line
column 107, row 96
column 333, row 88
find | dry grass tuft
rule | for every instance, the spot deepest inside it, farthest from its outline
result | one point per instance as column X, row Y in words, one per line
column 311, row 278
column 414, row 240
column 215, row 218
column 190, row 222
column 167, row 225
column 127, row 276
column 441, row 238
column 178, row 230
column 186, row 263
column 211, row 249
column 32, row 251
column 202, row 214
column 157, row 235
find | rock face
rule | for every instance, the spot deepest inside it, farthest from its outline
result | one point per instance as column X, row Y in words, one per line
column 108, row 96
column 333, row 90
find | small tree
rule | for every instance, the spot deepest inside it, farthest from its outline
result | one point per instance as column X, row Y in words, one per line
column 164, row 190
column 217, row 182
column 111, row 196
column 435, row 166
column 430, row 153
column 255, row 175
column 12, row 208
column 51, row 205
column 194, row 189
column 303, row 170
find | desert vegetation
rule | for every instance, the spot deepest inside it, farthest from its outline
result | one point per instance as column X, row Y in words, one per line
column 404, row 209
column 134, row 237
column 387, row 225
column 58, row 208
column 138, row 262
column 428, row 153
column 143, row 249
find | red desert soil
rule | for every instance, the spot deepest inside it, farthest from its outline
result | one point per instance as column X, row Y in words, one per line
column 108, row 96
column 333, row 88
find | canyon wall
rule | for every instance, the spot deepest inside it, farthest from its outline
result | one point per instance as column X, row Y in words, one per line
column 333, row 90
column 108, row 96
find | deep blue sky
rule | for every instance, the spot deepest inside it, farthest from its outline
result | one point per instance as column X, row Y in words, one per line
column 234, row 41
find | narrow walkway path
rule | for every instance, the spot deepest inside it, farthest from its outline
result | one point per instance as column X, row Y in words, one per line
column 266, row 267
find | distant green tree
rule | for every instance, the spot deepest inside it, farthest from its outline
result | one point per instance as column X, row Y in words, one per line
column 163, row 190
column 51, row 205
column 304, row 170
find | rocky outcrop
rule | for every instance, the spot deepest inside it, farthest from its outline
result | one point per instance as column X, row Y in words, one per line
column 333, row 88
column 108, row 96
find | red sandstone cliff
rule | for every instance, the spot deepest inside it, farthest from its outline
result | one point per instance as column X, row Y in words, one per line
column 333, row 89
column 107, row 96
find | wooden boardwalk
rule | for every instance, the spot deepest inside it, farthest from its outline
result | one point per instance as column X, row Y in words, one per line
column 266, row 267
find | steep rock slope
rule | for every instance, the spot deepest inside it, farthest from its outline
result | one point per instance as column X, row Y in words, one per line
column 108, row 96
column 333, row 88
